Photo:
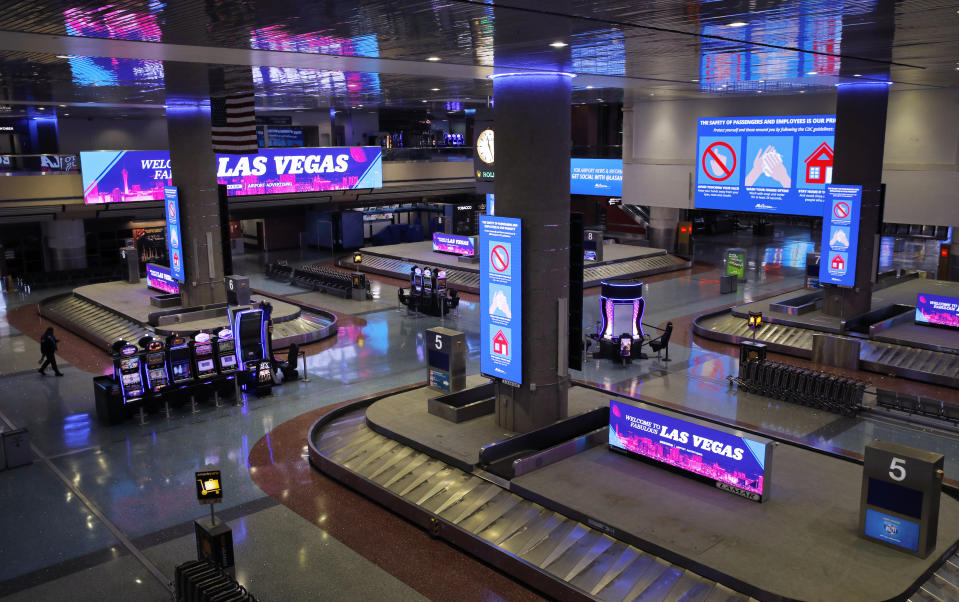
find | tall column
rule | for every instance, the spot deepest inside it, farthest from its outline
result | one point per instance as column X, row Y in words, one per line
column 532, row 183
column 194, row 174
column 860, row 138
column 662, row 227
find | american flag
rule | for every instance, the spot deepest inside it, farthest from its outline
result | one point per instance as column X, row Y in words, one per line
column 231, row 111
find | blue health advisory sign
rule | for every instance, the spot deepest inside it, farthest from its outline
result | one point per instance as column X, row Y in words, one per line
column 840, row 235
column 733, row 462
column 171, row 204
column 597, row 177
column 891, row 529
column 501, row 298
column 773, row 164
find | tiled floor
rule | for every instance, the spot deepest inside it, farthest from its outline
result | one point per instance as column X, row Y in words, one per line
column 104, row 510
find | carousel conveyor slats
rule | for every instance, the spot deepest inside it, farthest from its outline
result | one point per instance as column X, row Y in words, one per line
column 876, row 356
column 100, row 324
column 587, row 561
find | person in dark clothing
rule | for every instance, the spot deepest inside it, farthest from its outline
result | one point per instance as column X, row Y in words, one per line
column 48, row 347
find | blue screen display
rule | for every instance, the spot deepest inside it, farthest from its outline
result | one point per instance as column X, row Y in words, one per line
column 715, row 454
column 501, row 298
column 171, row 202
column 937, row 310
column 765, row 164
column 897, row 531
column 840, row 235
column 598, row 177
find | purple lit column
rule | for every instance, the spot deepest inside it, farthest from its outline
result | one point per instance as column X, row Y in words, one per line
column 532, row 120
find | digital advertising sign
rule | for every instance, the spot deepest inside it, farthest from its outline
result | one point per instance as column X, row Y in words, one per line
column 454, row 244
column 171, row 204
column 128, row 176
column 936, row 310
column 840, row 235
column 728, row 459
column 160, row 279
column 765, row 164
column 501, row 298
column 597, row 177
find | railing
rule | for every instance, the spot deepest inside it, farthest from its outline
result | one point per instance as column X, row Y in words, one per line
column 429, row 153
column 22, row 165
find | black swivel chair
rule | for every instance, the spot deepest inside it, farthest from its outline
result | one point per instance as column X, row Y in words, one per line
column 658, row 344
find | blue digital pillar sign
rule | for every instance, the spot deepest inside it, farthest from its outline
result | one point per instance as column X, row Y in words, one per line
column 840, row 235
column 171, row 203
column 501, row 298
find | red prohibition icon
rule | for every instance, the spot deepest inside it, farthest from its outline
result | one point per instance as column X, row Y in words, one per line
column 841, row 210
column 727, row 170
column 499, row 258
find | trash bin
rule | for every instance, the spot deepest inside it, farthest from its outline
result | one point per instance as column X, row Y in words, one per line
column 727, row 284
column 16, row 448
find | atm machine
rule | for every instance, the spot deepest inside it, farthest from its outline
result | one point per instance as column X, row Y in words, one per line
column 225, row 351
column 204, row 364
column 155, row 364
column 127, row 369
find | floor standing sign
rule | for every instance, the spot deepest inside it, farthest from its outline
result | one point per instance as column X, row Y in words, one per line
column 840, row 235
column 171, row 203
column 501, row 298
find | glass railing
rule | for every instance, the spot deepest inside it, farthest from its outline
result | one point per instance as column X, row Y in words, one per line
column 429, row 153
column 26, row 165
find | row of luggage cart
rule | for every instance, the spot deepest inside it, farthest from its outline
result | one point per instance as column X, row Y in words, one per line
column 204, row 581
column 811, row 388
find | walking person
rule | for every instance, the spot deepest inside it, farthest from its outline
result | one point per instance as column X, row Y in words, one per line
column 48, row 347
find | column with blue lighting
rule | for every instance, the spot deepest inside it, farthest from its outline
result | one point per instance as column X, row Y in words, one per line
column 532, row 117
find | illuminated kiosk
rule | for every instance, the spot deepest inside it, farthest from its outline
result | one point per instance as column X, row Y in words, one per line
column 622, row 307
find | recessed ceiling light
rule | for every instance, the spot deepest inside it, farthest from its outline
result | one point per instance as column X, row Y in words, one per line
column 589, row 87
column 857, row 74
column 61, row 105
column 41, row 108
column 559, row 44
column 424, row 100
column 66, row 114
column 812, row 73
column 759, row 91
column 802, row 91
column 600, row 99
column 737, row 24
column 652, row 94
column 64, row 56
column 434, row 89
column 695, row 81
column 433, row 59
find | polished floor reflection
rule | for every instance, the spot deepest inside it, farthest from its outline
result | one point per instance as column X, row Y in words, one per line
column 108, row 509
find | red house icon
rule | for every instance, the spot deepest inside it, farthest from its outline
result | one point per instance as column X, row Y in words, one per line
column 819, row 164
column 838, row 263
column 500, row 344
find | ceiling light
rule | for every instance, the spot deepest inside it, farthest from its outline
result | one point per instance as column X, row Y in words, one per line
column 61, row 105
column 857, row 74
column 589, row 87
column 759, row 91
column 652, row 94
column 695, row 81
column 433, row 59
column 64, row 56
column 425, row 100
column 434, row 89
column 737, row 24
column 812, row 73
column 802, row 91
column 41, row 108
column 559, row 44
column 600, row 99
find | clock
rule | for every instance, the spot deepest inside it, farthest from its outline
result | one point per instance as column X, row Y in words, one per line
column 484, row 146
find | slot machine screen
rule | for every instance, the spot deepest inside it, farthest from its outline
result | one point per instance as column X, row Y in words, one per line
column 205, row 365
column 623, row 318
column 157, row 375
column 228, row 361
column 417, row 280
column 131, row 379
column 131, row 363
column 181, row 370
column 250, row 332
column 155, row 359
column 203, row 350
column 226, row 346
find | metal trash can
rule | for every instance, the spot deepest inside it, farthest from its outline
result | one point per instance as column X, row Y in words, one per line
column 16, row 448
column 728, row 284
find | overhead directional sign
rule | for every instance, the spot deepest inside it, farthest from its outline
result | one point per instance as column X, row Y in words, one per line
column 840, row 235
column 501, row 298
column 171, row 204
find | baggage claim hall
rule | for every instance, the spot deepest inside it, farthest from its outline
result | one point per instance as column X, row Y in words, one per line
column 479, row 300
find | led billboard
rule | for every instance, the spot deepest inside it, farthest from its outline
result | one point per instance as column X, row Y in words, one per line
column 936, row 310
column 597, row 177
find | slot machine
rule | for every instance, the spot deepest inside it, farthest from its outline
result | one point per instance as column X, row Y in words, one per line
column 416, row 289
column 127, row 369
column 427, row 282
column 252, row 348
column 155, row 364
column 203, row 357
column 225, row 351
column 180, row 359
column 441, row 283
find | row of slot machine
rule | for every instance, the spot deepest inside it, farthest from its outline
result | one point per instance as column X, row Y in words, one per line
column 176, row 367
column 428, row 292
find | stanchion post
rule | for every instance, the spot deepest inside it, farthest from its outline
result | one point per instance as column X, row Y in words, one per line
column 216, row 399
column 142, row 416
column 166, row 409
column 306, row 377
column 193, row 407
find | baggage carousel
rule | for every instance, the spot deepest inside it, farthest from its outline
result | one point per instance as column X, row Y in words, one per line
column 104, row 313
column 889, row 341
column 621, row 261
column 587, row 524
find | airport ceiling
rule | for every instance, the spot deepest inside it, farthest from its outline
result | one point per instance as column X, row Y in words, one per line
column 107, row 56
